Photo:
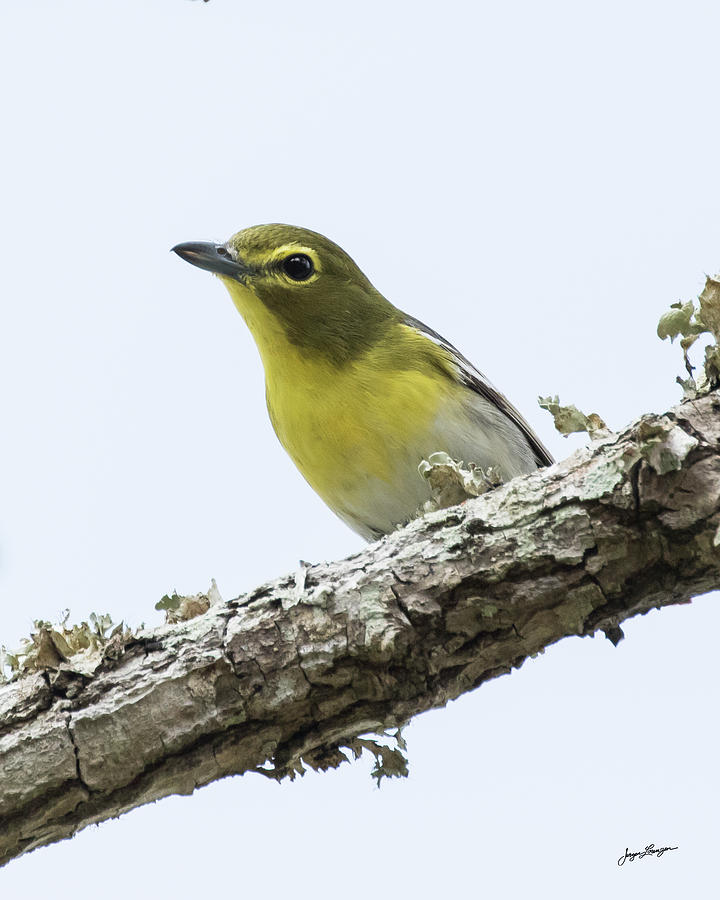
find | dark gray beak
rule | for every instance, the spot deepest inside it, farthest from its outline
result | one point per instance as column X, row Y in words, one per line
column 213, row 257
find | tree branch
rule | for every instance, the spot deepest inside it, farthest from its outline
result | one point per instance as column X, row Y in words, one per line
column 298, row 668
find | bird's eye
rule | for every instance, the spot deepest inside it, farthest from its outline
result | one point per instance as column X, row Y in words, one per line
column 299, row 267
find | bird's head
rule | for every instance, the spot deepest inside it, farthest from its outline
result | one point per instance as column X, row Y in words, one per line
column 301, row 281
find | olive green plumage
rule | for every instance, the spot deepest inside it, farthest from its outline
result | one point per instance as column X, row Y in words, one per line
column 341, row 318
column 359, row 392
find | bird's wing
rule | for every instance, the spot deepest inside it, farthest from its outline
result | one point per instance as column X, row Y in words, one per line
column 476, row 381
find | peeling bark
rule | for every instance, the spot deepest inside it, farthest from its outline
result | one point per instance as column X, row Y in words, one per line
column 300, row 667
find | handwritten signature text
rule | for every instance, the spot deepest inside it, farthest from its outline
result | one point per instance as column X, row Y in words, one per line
column 650, row 850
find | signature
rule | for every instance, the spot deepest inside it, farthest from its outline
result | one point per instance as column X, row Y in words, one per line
column 650, row 850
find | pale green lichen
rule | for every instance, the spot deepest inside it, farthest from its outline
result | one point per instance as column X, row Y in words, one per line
column 689, row 322
column 452, row 481
column 609, row 472
column 570, row 420
column 678, row 320
column 663, row 444
column 390, row 761
column 81, row 648
column 180, row 608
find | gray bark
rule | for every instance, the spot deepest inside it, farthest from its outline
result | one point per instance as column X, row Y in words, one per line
column 297, row 669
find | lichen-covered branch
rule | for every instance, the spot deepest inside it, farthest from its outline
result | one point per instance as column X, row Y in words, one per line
column 298, row 669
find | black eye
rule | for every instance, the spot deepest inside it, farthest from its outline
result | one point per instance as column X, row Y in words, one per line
column 298, row 266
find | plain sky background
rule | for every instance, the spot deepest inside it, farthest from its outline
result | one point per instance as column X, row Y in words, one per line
column 537, row 181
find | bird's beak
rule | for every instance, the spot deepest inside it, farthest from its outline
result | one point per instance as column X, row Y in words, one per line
column 213, row 257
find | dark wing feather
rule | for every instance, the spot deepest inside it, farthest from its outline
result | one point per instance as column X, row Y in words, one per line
column 476, row 381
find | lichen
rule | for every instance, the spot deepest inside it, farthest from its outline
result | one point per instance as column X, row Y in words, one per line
column 689, row 322
column 570, row 420
column 663, row 444
column 180, row 608
column 452, row 481
column 82, row 648
column 390, row 762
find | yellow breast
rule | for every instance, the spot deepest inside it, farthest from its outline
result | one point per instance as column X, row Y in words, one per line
column 340, row 426
column 346, row 427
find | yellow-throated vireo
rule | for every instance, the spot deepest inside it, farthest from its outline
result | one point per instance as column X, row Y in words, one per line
column 359, row 392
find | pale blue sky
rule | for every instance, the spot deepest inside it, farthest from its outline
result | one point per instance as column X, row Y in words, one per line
column 537, row 182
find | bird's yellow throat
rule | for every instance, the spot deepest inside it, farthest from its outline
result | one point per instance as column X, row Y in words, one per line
column 340, row 424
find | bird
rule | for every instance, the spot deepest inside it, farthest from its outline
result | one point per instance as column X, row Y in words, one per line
column 359, row 392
